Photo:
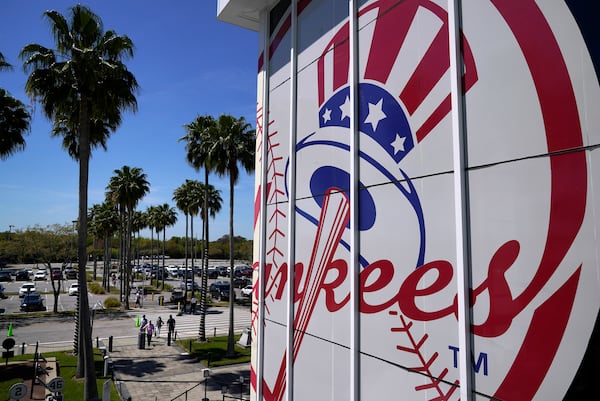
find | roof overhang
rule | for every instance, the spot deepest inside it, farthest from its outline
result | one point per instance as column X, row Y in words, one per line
column 244, row 13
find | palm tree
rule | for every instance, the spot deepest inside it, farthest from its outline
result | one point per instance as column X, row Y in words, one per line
column 83, row 86
column 138, row 223
column 125, row 189
column 195, row 191
column 104, row 224
column 235, row 145
column 183, row 200
column 151, row 222
column 200, row 137
column 156, row 224
column 14, row 120
column 167, row 217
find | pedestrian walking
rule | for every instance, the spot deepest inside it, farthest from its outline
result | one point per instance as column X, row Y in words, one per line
column 143, row 323
column 159, row 324
column 138, row 298
column 171, row 325
column 149, row 331
column 193, row 303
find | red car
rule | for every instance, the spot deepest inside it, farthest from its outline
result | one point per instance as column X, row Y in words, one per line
column 56, row 274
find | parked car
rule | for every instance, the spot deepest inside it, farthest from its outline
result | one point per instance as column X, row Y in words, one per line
column 74, row 289
column 177, row 295
column 5, row 275
column 247, row 291
column 27, row 288
column 32, row 302
column 241, row 282
column 242, row 271
column 173, row 270
column 56, row 274
column 22, row 275
column 223, row 270
column 220, row 291
column 2, row 291
column 40, row 275
column 213, row 272
column 70, row 273
column 189, row 284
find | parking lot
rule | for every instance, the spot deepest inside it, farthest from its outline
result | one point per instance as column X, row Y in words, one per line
column 11, row 302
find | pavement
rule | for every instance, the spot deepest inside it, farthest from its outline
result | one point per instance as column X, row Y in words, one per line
column 167, row 372
column 163, row 372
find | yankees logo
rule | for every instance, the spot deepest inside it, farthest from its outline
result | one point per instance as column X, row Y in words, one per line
column 527, row 210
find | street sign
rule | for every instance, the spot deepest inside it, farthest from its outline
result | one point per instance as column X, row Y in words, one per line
column 56, row 384
column 17, row 391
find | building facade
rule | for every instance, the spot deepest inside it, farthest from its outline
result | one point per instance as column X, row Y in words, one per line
column 426, row 216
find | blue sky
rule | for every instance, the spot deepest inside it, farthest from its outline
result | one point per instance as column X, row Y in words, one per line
column 187, row 63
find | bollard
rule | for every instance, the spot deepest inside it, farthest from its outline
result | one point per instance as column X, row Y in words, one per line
column 142, row 340
column 110, row 342
column 105, row 366
column 23, row 348
column 214, row 331
column 169, row 338
column 97, row 342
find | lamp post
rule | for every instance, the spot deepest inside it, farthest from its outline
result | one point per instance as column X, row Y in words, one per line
column 241, row 387
column 205, row 374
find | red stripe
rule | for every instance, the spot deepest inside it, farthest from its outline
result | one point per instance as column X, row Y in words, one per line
column 257, row 202
column 428, row 73
column 434, row 119
column 394, row 23
column 540, row 345
column 563, row 131
column 340, row 44
column 568, row 195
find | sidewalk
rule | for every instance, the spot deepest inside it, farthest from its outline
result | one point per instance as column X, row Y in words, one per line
column 163, row 373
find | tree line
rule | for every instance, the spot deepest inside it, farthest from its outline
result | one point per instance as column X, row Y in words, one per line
column 56, row 244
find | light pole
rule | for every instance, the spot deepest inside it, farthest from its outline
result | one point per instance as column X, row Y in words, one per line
column 205, row 374
column 241, row 387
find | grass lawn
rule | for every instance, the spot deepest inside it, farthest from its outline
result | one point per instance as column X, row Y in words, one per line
column 217, row 347
column 67, row 363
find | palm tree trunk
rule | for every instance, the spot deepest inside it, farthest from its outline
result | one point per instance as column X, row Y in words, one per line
column 121, row 250
column 128, row 254
column 192, row 251
column 204, row 285
column 107, row 262
column 85, row 358
column 163, row 258
column 230, row 339
column 95, row 258
column 186, row 262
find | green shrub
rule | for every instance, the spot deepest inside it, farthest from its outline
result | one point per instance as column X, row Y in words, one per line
column 112, row 302
column 96, row 288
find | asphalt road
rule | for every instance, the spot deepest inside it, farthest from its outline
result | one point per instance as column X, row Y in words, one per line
column 54, row 333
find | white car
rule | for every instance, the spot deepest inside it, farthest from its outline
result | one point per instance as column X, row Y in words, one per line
column 26, row 288
column 74, row 289
column 40, row 275
column 247, row 291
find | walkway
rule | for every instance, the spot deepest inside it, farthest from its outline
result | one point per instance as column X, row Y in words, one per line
column 164, row 373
